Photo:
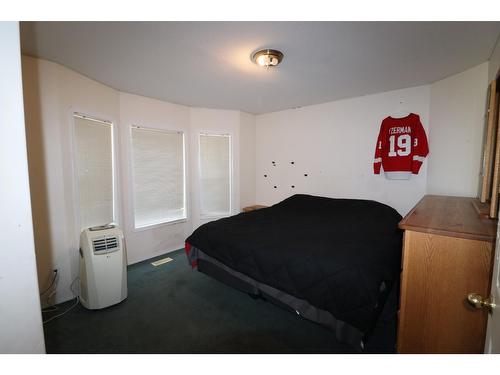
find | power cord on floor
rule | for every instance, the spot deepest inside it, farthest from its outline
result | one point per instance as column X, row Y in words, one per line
column 61, row 314
column 52, row 288
column 51, row 283
column 50, row 309
column 69, row 308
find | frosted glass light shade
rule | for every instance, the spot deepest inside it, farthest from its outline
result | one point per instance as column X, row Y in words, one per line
column 267, row 57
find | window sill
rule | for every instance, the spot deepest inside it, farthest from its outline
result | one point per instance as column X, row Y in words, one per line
column 216, row 215
column 158, row 225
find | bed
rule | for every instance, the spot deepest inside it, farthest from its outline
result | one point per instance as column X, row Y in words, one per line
column 332, row 261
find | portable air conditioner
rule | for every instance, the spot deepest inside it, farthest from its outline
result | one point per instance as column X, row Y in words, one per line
column 103, row 267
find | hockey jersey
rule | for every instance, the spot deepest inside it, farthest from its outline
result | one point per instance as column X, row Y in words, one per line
column 401, row 147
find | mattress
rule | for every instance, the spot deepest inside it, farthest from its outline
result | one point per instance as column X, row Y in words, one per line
column 339, row 257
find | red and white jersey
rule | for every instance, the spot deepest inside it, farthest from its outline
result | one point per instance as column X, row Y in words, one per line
column 401, row 147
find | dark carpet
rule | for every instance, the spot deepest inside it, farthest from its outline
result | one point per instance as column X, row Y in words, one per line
column 174, row 309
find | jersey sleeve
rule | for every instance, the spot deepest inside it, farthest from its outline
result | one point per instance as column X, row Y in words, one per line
column 420, row 148
column 377, row 161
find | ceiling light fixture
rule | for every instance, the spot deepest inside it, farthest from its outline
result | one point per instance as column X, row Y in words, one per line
column 267, row 57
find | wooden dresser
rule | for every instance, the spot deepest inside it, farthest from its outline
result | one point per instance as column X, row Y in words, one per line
column 447, row 254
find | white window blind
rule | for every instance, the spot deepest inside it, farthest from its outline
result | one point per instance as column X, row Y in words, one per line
column 94, row 165
column 215, row 174
column 158, row 167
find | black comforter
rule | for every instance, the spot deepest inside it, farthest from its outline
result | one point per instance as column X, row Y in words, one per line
column 340, row 255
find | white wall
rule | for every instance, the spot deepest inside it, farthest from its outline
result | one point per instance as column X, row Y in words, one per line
column 52, row 93
column 20, row 313
column 334, row 143
column 494, row 66
column 457, row 109
column 247, row 159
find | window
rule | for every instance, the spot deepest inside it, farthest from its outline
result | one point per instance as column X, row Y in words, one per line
column 159, row 176
column 94, row 168
column 215, row 174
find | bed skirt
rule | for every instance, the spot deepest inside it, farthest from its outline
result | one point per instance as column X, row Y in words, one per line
column 343, row 331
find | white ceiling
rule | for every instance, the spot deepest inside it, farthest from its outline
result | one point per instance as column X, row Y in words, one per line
column 207, row 64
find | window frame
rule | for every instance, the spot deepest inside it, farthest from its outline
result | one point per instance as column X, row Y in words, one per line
column 132, row 175
column 74, row 165
column 215, row 215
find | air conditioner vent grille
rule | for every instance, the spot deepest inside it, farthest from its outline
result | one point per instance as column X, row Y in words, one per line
column 105, row 244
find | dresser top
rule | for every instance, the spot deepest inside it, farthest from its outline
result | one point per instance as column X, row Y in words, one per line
column 449, row 216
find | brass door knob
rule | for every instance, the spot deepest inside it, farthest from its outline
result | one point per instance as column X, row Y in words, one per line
column 479, row 302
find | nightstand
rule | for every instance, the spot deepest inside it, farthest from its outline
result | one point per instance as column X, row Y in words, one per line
column 253, row 208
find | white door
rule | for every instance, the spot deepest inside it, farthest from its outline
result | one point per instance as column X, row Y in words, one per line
column 492, row 344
